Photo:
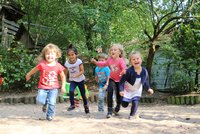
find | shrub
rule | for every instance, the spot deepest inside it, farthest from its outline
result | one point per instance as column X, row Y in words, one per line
column 181, row 83
column 14, row 64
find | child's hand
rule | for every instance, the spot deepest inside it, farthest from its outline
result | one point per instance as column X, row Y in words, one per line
column 121, row 93
column 93, row 61
column 28, row 77
column 123, row 72
column 105, row 87
column 150, row 91
column 63, row 90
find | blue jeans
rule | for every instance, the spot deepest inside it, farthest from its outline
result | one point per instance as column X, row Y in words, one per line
column 48, row 97
column 101, row 97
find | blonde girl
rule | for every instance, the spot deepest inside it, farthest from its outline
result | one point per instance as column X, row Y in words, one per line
column 117, row 65
column 132, row 82
column 48, row 84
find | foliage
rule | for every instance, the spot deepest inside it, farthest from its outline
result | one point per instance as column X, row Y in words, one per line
column 14, row 64
column 186, row 41
column 181, row 83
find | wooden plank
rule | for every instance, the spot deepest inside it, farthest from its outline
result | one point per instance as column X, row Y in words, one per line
column 11, row 27
column 10, row 23
column 11, row 32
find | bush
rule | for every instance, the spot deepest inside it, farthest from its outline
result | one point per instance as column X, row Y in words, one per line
column 14, row 64
column 181, row 83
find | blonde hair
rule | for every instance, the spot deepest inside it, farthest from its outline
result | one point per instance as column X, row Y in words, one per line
column 134, row 52
column 103, row 55
column 121, row 49
column 51, row 47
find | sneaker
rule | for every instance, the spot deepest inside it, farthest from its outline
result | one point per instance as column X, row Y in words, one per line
column 71, row 108
column 49, row 118
column 87, row 109
column 109, row 115
column 132, row 117
column 116, row 110
column 44, row 108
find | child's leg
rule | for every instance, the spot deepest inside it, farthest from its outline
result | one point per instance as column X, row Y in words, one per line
column 111, row 88
column 41, row 96
column 52, row 95
column 71, row 92
column 101, row 96
column 82, row 90
column 125, row 104
column 118, row 97
column 134, row 107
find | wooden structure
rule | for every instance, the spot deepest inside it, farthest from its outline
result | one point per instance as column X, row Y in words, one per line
column 10, row 29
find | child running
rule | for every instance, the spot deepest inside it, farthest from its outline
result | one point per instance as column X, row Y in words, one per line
column 117, row 67
column 48, row 83
column 102, row 75
column 132, row 82
column 75, row 68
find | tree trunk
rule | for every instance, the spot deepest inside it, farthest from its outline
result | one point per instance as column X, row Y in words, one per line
column 197, row 75
column 150, row 58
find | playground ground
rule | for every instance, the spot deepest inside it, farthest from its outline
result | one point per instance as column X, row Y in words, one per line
column 154, row 119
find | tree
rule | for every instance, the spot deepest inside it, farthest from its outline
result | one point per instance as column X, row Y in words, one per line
column 161, row 17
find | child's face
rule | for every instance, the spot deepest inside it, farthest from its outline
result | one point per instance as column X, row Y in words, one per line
column 72, row 56
column 50, row 56
column 101, row 59
column 136, row 60
column 114, row 52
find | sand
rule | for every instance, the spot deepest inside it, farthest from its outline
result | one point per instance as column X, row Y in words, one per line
column 154, row 119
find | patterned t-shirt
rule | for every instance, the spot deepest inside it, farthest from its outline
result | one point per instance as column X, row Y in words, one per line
column 74, row 69
column 102, row 74
column 49, row 75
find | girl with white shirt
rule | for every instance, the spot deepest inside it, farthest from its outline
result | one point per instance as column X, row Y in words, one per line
column 75, row 68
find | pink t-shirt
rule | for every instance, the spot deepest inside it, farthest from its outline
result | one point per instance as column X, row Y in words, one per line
column 116, row 67
column 49, row 75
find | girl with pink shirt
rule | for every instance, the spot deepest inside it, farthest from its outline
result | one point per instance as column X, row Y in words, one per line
column 117, row 65
column 48, row 84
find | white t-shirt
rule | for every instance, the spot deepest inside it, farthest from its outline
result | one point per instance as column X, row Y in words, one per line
column 75, row 69
column 131, row 91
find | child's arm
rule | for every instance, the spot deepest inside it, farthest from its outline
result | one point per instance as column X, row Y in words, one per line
column 63, row 80
column 81, row 71
column 100, row 63
column 29, row 74
column 96, row 79
column 146, row 84
column 121, row 85
column 107, row 82
column 93, row 61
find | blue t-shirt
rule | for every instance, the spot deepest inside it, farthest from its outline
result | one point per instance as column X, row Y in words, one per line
column 102, row 73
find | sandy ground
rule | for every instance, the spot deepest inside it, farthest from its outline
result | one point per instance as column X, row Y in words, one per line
column 155, row 119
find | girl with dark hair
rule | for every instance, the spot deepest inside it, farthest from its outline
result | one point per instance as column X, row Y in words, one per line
column 75, row 68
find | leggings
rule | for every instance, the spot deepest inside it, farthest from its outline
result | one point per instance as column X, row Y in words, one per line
column 81, row 87
column 113, row 86
column 133, row 107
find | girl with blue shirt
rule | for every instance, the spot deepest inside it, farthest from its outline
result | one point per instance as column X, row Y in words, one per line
column 132, row 82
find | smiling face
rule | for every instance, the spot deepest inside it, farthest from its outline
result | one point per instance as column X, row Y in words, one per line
column 72, row 56
column 115, row 52
column 136, row 60
column 50, row 56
